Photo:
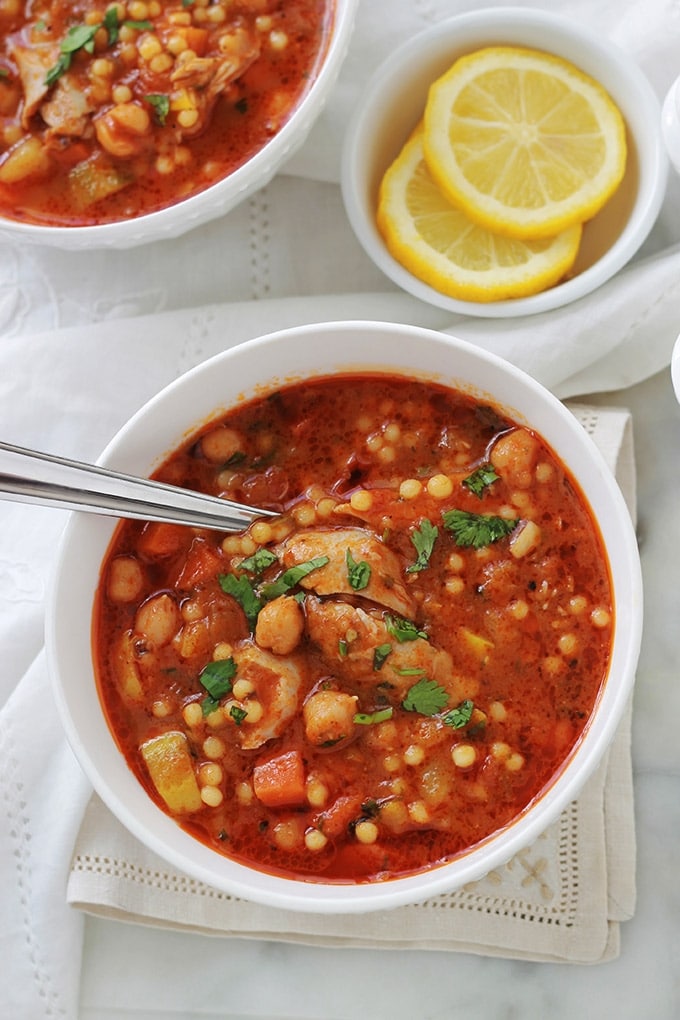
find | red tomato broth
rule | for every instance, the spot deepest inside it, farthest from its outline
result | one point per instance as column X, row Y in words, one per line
column 85, row 166
column 512, row 635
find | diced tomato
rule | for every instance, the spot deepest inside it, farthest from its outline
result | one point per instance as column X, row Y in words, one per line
column 280, row 781
column 196, row 38
column 159, row 541
column 203, row 562
column 336, row 818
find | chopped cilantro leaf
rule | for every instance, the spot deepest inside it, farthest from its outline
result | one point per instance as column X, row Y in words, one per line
column 241, row 589
column 480, row 479
column 358, row 574
column 79, row 37
column 459, row 716
column 111, row 25
column 216, row 678
column 258, row 562
column 425, row 697
column 380, row 653
column 423, row 539
column 289, row 578
column 139, row 26
column 401, row 629
column 161, row 105
column 477, row 530
column 237, row 714
column 368, row 718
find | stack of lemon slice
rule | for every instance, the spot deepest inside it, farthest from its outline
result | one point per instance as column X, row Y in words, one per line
column 487, row 199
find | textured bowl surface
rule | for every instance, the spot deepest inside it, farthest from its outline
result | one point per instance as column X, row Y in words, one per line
column 224, row 195
column 204, row 393
column 394, row 102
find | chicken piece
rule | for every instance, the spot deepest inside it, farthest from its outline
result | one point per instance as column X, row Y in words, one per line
column 348, row 636
column 276, row 683
column 33, row 65
column 67, row 111
column 384, row 584
column 206, row 78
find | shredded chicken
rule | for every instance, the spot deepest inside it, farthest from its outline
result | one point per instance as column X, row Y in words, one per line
column 68, row 112
column 332, row 624
column 384, row 584
column 33, row 65
column 277, row 684
column 208, row 77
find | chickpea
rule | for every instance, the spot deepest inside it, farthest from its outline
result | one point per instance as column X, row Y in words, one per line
column 280, row 624
column 125, row 580
column 158, row 619
column 219, row 445
column 514, row 456
column 329, row 717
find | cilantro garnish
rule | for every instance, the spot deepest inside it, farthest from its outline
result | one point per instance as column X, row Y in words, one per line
column 237, row 714
column 81, row 37
column 380, row 653
column 241, row 589
column 358, row 574
column 161, row 105
column 258, row 562
column 401, row 629
column 423, row 539
column 477, row 530
column 4, row 73
column 480, row 479
column 459, row 716
column 369, row 718
column 78, row 37
column 216, row 678
column 425, row 697
column 289, row 578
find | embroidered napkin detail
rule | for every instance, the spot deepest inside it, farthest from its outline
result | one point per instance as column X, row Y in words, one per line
column 561, row 899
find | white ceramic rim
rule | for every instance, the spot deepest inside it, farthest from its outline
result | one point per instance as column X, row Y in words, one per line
column 675, row 368
column 221, row 381
column 225, row 194
column 611, row 66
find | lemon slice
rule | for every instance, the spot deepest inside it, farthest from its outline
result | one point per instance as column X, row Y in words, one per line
column 523, row 141
column 440, row 245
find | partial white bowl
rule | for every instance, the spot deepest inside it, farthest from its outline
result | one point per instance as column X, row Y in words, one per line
column 254, row 368
column 394, row 102
column 670, row 123
column 675, row 368
column 222, row 196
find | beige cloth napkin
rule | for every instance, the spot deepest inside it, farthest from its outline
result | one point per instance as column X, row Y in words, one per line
column 561, row 899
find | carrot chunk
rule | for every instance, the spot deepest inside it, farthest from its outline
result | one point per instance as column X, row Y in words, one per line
column 280, row 781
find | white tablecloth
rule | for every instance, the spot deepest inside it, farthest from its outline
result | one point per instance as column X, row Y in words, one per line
column 286, row 255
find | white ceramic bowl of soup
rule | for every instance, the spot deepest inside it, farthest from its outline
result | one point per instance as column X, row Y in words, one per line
column 256, row 368
column 184, row 214
column 393, row 104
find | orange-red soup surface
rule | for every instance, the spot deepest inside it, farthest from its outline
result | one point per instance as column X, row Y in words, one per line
column 112, row 110
column 387, row 673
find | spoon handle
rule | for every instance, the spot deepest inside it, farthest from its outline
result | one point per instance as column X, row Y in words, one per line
column 27, row 476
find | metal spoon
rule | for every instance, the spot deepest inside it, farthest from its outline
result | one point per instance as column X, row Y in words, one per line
column 27, row 476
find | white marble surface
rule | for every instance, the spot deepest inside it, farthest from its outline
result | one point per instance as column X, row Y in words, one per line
column 266, row 981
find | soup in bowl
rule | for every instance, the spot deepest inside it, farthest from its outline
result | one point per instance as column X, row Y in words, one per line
column 398, row 677
column 115, row 115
